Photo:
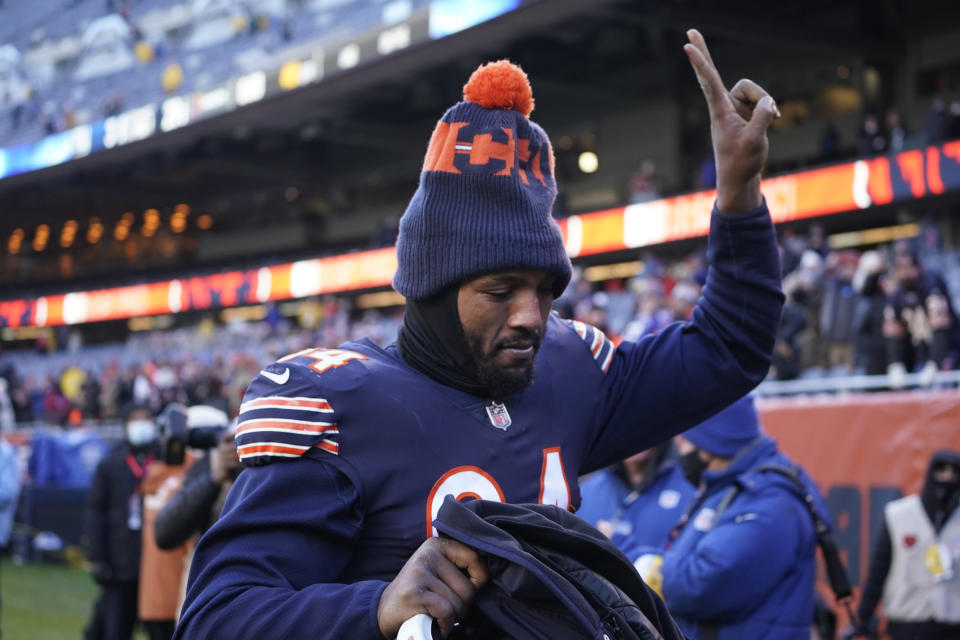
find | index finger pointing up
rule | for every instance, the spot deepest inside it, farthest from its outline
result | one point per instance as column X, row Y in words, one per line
column 707, row 74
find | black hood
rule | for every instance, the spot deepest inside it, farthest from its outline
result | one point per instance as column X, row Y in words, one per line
column 433, row 342
column 940, row 499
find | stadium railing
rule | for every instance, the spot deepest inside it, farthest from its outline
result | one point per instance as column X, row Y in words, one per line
column 845, row 384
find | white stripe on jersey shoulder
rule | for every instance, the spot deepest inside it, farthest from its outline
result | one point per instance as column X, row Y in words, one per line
column 285, row 402
column 581, row 329
column 300, row 427
column 601, row 347
column 264, row 450
column 605, row 365
column 271, row 448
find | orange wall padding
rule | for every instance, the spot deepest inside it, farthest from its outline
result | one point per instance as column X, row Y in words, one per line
column 863, row 450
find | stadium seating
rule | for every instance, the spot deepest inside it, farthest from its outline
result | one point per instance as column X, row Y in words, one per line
column 270, row 27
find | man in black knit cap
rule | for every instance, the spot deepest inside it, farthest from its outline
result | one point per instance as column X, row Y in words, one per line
column 350, row 452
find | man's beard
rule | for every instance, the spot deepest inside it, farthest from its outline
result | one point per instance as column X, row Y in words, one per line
column 500, row 382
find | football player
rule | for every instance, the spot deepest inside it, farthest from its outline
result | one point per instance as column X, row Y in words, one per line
column 350, row 451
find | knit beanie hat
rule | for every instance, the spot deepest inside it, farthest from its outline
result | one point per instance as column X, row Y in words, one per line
column 486, row 192
column 729, row 431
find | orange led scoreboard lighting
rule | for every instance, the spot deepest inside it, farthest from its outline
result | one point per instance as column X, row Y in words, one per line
column 835, row 189
column 845, row 187
column 281, row 282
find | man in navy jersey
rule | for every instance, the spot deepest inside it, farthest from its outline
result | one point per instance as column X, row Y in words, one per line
column 350, row 451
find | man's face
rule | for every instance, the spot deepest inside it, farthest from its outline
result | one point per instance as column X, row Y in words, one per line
column 504, row 316
column 140, row 427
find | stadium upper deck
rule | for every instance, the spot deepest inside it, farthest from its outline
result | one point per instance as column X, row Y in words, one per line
column 321, row 169
column 64, row 67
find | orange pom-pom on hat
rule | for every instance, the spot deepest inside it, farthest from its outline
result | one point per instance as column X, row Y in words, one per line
column 500, row 85
column 486, row 193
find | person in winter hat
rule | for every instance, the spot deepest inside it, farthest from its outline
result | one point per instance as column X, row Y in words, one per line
column 349, row 452
column 741, row 562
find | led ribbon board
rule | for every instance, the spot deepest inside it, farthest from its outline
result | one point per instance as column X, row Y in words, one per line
column 835, row 189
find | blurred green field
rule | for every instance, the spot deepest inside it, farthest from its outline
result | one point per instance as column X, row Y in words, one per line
column 45, row 602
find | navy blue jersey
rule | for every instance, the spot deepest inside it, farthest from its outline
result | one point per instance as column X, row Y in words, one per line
column 351, row 451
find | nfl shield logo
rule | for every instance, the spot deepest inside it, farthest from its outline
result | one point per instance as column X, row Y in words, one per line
column 499, row 417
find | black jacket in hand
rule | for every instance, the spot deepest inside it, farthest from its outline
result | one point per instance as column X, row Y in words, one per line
column 552, row 577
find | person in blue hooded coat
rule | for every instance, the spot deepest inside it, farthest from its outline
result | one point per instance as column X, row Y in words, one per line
column 637, row 501
column 745, row 569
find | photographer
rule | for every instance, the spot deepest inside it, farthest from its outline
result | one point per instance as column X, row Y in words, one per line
column 196, row 505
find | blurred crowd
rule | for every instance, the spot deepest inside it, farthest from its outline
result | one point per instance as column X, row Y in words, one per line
column 847, row 312
column 891, row 133
column 203, row 364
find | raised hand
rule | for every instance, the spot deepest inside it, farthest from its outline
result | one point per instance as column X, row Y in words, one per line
column 738, row 126
column 224, row 463
column 432, row 582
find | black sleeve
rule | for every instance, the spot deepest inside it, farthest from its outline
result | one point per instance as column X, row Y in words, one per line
column 880, row 558
column 188, row 511
column 95, row 520
column 665, row 383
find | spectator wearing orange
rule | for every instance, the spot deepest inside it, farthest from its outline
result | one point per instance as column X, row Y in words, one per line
column 161, row 571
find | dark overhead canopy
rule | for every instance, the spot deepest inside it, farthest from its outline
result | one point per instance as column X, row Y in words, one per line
column 367, row 129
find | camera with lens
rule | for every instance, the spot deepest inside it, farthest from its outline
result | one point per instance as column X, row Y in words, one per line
column 198, row 427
